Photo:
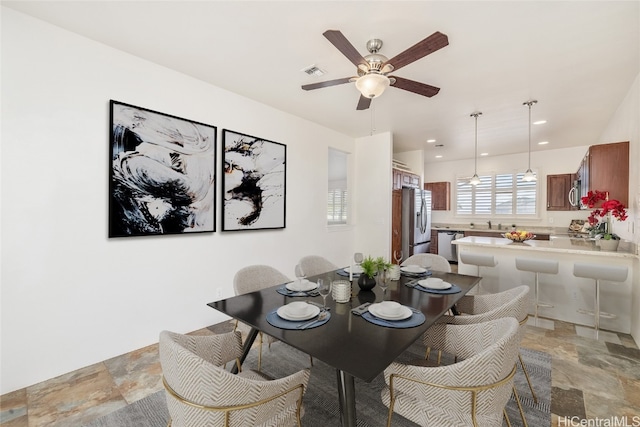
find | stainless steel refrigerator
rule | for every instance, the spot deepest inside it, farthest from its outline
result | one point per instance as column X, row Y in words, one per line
column 416, row 221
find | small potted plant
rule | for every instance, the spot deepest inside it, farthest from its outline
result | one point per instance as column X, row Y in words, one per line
column 601, row 219
column 367, row 280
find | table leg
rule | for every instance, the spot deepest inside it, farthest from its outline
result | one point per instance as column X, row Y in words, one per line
column 251, row 337
column 347, row 398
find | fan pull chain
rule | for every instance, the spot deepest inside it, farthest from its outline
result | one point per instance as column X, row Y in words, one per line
column 373, row 128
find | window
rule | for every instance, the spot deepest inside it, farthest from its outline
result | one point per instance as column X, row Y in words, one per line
column 497, row 194
column 337, row 207
column 337, row 200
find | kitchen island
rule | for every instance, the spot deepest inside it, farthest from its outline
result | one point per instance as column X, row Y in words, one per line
column 566, row 292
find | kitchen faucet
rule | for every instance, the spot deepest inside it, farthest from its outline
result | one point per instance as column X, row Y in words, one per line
column 489, row 222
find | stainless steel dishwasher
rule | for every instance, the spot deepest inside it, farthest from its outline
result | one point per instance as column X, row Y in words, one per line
column 445, row 248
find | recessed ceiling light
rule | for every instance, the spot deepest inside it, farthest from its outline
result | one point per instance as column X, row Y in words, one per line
column 484, row 154
column 431, row 141
column 543, row 142
column 540, row 122
column 438, row 156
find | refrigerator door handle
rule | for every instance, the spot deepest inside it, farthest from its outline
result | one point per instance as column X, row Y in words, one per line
column 423, row 215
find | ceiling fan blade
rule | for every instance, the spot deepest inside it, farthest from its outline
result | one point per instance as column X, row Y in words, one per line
column 415, row 87
column 327, row 83
column 419, row 50
column 343, row 45
column 363, row 103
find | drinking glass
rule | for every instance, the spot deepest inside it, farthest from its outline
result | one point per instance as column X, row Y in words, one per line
column 397, row 255
column 299, row 273
column 358, row 257
column 383, row 281
column 324, row 288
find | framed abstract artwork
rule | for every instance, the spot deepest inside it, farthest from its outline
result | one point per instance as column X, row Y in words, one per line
column 162, row 173
column 253, row 182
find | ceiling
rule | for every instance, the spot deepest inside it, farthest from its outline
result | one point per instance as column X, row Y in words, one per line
column 578, row 59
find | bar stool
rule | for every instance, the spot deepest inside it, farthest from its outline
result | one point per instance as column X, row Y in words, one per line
column 537, row 266
column 479, row 260
column 599, row 272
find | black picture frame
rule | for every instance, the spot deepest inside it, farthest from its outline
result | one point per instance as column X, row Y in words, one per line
column 254, row 178
column 162, row 173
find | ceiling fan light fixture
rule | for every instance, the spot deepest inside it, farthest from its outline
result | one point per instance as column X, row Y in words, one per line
column 372, row 85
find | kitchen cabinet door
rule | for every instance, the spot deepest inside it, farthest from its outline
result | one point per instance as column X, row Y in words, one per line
column 558, row 187
column 410, row 180
column 440, row 195
column 609, row 170
column 397, row 179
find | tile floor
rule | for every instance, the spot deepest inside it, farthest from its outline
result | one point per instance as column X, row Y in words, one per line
column 591, row 379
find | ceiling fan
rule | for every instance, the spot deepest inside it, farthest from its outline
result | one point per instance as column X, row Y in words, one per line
column 373, row 69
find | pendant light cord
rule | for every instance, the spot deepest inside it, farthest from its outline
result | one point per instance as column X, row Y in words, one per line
column 529, row 135
column 475, row 165
column 530, row 103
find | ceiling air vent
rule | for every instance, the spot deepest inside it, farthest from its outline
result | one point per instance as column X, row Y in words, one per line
column 312, row 70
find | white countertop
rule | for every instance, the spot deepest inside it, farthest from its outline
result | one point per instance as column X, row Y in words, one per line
column 563, row 245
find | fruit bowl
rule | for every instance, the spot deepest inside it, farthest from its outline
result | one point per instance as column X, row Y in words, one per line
column 519, row 235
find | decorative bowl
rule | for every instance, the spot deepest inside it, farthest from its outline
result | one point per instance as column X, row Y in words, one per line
column 519, row 235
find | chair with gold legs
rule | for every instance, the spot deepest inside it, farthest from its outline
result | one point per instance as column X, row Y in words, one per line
column 254, row 278
column 481, row 308
column 200, row 392
column 315, row 264
column 472, row 392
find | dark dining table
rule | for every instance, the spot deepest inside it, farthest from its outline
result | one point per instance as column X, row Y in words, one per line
column 352, row 345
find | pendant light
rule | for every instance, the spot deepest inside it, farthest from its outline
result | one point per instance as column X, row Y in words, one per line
column 475, row 179
column 529, row 175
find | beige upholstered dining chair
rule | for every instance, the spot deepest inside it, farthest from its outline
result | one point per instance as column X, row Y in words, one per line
column 472, row 392
column 481, row 308
column 432, row 261
column 200, row 392
column 315, row 264
column 254, row 278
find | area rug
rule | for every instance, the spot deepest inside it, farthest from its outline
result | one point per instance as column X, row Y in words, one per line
column 320, row 401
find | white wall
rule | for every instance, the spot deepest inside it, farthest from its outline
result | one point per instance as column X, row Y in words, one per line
column 373, row 207
column 71, row 296
column 565, row 160
column 624, row 126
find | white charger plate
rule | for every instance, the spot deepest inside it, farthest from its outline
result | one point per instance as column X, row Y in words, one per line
column 356, row 269
column 431, row 284
column 301, row 286
column 405, row 312
column 413, row 269
column 307, row 312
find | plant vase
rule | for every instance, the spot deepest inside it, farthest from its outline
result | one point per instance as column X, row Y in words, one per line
column 608, row 245
column 366, row 283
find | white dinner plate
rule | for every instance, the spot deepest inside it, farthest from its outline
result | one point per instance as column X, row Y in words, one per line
column 431, row 284
column 413, row 269
column 405, row 312
column 297, row 311
column 301, row 285
column 356, row 269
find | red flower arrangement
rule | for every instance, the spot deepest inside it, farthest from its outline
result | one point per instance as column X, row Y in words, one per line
column 608, row 209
